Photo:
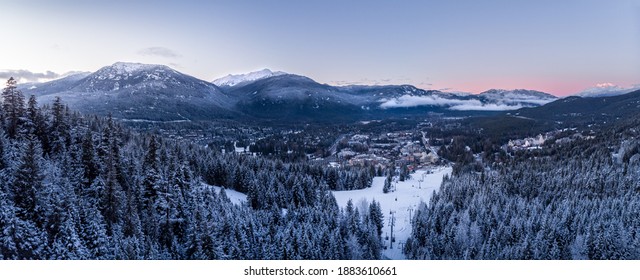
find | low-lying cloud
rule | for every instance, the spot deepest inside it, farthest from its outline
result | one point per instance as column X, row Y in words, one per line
column 26, row 76
column 485, row 107
column 159, row 51
column 407, row 101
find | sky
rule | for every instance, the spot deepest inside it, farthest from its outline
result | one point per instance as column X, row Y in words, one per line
column 560, row 47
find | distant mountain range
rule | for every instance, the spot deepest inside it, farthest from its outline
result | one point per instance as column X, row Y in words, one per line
column 607, row 89
column 576, row 109
column 572, row 111
column 156, row 92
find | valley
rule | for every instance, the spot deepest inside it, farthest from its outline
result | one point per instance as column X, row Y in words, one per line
column 147, row 150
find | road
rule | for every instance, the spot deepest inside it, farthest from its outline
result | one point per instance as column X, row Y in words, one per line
column 334, row 146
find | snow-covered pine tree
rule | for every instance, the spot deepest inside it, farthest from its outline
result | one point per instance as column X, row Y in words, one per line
column 387, row 183
column 59, row 129
column 28, row 180
column 151, row 172
column 90, row 168
column 36, row 124
column 376, row 216
column 13, row 108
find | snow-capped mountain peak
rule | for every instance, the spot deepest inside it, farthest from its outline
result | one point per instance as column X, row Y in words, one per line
column 130, row 67
column 240, row 79
column 606, row 89
column 140, row 91
column 125, row 74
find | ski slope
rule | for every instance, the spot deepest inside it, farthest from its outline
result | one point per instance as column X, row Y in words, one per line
column 403, row 202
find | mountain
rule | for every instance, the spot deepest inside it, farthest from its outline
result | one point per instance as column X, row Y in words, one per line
column 55, row 86
column 137, row 91
column 577, row 109
column 491, row 100
column 385, row 93
column 243, row 79
column 140, row 92
column 606, row 89
column 293, row 97
column 266, row 93
column 516, row 98
column 297, row 97
column 569, row 112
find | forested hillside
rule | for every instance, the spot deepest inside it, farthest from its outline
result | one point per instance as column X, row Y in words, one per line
column 74, row 186
column 569, row 200
column 85, row 187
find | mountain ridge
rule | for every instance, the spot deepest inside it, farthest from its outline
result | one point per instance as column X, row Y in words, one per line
column 232, row 80
column 141, row 91
column 158, row 92
column 606, row 89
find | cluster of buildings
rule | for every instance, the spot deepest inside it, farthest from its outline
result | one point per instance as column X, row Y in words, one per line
column 531, row 143
column 562, row 136
column 405, row 148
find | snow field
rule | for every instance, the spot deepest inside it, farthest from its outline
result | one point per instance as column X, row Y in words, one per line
column 236, row 197
column 402, row 202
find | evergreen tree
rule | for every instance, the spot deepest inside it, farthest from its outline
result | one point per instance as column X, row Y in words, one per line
column 3, row 161
column 90, row 166
column 152, row 172
column 376, row 217
column 23, row 240
column 36, row 124
column 404, row 173
column 28, row 180
column 7, row 219
column 61, row 218
column 111, row 203
column 13, row 108
column 112, row 196
column 387, row 183
column 59, row 130
column 93, row 233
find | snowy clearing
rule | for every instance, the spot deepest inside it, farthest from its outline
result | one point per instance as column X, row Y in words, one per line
column 236, row 197
column 403, row 201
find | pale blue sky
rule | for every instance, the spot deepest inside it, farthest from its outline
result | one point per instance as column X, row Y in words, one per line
column 560, row 47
